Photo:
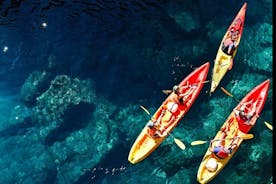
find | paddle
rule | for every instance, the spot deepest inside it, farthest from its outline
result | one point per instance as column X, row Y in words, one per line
column 168, row 91
column 268, row 125
column 178, row 142
column 245, row 136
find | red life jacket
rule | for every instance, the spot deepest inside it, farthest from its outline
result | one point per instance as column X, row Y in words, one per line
column 222, row 153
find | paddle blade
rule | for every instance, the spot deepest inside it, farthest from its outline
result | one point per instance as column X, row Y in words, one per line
column 203, row 82
column 268, row 125
column 247, row 136
column 194, row 143
column 179, row 143
column 226, row 92
column 146, row 110
column 166, row 91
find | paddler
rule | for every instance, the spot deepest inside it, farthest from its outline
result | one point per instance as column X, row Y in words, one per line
column 180, row 97
column 241, row 113
column 153, row 131
column 220, row 150
column 230, row 44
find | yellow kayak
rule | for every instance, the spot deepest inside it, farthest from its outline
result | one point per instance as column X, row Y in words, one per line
column 211, row 164
column 145, row 144
column 224, row 59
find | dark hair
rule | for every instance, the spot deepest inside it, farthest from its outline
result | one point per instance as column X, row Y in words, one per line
column 230, row 150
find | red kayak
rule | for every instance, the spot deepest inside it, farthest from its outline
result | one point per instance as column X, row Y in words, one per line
column 238, row 124
column 258, row 95
column 169, row 115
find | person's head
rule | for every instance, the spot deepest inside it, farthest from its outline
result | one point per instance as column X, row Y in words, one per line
column 234, row 34
column 242, row 114
column 229, row 150
column 232, row 30
column 176, row 89
column 150, row 124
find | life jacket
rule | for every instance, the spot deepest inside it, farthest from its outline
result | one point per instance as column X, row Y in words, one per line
column 172, row 107
column 221, row 153
column 226, row 44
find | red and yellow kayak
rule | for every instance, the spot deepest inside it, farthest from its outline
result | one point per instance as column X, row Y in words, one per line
column 146, row 144
column 236, row 127
column 224, row 61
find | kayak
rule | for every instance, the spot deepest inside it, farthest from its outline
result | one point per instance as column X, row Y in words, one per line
column 224, row 60
column 211, row 164
column 145, row 144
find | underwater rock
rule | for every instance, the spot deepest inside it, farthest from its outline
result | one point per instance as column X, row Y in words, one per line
column 183, row 16
column 186, row 21
column 183, row 176
column 240, row 177
column 18, row 114
column 33, row 86
column 256, row 50
column 264, row 36
column 84, row 149
column 62, row 94
column 262, row 60
column 262, row 150
column 246, row 82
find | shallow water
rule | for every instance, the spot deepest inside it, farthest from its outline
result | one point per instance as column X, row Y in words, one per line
column 73, row 75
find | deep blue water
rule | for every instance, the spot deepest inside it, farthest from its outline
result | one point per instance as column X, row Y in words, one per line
column 73, row 74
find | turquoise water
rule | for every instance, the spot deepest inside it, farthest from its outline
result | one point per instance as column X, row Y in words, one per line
column 73, row 75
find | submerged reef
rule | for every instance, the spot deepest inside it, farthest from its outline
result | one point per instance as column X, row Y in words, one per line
column 62, row 94
column 70, row 91
column 34, row 85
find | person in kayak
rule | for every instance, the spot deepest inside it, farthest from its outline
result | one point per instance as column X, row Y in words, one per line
column 246, row 116
column 180, row 97
column 220, row 150
column 169, row 113
column 153, row 130
column 230, row 44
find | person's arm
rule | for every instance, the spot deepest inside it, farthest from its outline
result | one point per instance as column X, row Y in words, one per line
column 236, row 112
column 211, row 146
column 158, row 132
column 230, row 48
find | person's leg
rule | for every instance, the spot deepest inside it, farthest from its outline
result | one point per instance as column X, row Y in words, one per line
column 222, row 139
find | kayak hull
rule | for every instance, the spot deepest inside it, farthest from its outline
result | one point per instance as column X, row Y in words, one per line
column 144, row 145
column 222, row 61
column 237, row 128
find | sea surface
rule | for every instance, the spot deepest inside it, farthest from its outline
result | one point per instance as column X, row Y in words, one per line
column 74, row 73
